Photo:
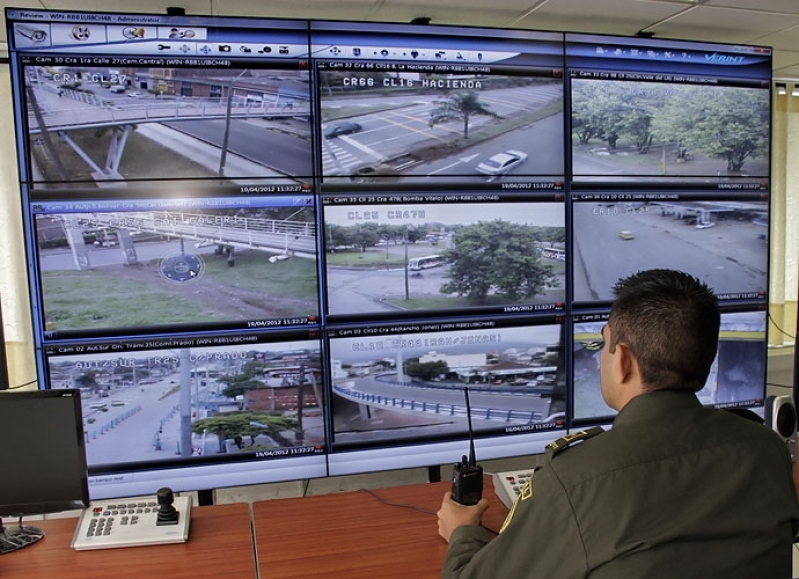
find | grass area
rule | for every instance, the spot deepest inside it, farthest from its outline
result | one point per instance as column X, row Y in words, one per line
column 143, row 158
column 137, row 295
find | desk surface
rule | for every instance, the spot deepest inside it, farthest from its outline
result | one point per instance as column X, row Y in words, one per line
column 354, row 535
column 219, row 547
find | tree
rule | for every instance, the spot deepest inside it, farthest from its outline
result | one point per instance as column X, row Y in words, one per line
column 237, row 384
column 87, row 380
column 425, row 371
column 462, row 106
column 612, row 111
column 497, row 257
column 234, row 425
column 729, row 123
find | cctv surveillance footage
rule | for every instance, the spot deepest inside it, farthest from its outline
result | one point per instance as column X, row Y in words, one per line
column 737, row 377
column 722, row 240
column 111, row 125
column 400, row 255
column 199, row 401
column 159, row 265
column 406, row 382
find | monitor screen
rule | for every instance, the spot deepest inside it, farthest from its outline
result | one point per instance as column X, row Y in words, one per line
column 719, row 236
column 43, row 454
column 266, row 250
column 440, row 252
column 183, row 412
column 397, row 390
column 108, row 104
column 662, row 111
column 737, row 377
column 152, row 262
column 442, row 103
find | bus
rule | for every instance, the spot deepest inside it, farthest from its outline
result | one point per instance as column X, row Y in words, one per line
column 556, row 253
column 420, row 263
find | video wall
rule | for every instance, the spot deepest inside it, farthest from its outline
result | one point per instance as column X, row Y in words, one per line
column 269, row 250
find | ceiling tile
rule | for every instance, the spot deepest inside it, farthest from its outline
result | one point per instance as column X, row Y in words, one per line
column 608, row 16
column 724, row 25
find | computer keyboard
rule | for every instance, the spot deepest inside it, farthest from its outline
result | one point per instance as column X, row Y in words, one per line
column 133, row 523
column 508, row 484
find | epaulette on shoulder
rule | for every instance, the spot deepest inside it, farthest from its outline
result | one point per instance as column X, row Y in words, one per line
column 557, row 446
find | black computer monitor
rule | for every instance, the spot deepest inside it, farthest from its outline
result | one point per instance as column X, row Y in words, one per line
column 42, row 474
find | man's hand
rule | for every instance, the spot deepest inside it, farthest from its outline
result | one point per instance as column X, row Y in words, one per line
column 452, row 515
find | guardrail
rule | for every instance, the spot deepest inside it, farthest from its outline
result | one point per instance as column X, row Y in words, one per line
column 399, row 403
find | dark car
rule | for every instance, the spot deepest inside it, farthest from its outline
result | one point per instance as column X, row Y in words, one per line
column 342, row 129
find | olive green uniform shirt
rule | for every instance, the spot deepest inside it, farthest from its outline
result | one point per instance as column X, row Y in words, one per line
column 673, row 490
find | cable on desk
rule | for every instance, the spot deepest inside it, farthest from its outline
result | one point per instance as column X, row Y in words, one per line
column 400, row 505
column 413, row 508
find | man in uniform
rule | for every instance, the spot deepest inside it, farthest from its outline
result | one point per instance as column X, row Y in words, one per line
column 674, row 489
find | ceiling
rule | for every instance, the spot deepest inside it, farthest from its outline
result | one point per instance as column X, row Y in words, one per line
column 773, row 23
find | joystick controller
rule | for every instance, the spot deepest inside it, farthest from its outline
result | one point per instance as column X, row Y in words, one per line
column 162, row 519
column 167, row 513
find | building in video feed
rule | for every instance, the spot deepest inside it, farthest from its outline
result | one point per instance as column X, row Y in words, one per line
column 440, row 102
column 163, row 264
column 410, row 254
column 720, row 238
column 403, row 383
column 737, row 377
column 209, row 399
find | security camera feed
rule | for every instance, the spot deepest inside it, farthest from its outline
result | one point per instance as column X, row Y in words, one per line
column 100, row 126
column 203, row 400
column 393, row 256
column 406, row 383
column 409, row 124
column 438, row 102
column 722, row 241
column 710, row 132
column 737, row 377
column 155, row 265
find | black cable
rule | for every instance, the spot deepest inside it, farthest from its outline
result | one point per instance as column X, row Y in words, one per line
column 23, row 385
column 413, row 508
column 776, row 325
column 775, row 385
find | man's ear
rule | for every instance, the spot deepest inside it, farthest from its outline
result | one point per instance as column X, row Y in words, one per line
column 625, row 366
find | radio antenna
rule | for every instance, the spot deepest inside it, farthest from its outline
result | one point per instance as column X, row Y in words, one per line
column 472, row 458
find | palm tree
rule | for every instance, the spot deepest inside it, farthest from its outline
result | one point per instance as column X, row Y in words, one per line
column 460, row 105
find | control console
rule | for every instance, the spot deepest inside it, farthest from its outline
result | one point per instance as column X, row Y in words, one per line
column 132, row 523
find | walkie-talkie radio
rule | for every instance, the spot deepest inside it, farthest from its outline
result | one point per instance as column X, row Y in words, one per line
column 467, row 476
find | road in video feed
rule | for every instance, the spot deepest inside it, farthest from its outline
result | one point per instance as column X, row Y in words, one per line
column 402, row 385
column 722, row 242
column 405, row 124
column 390, row 259
column 110, row 124
column 196, row 402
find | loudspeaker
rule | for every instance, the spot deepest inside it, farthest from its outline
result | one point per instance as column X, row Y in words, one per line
column 780, row 415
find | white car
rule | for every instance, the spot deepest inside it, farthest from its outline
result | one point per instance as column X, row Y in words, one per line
column 135, row 95
column 501, row 163
column 705, row 224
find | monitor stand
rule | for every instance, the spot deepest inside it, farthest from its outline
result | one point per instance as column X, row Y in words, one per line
column 13, row 538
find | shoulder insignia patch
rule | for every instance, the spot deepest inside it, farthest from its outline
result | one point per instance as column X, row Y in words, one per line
column 557, row 446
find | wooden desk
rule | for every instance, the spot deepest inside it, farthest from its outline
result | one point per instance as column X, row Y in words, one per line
column 353, row 535
column 219, row 547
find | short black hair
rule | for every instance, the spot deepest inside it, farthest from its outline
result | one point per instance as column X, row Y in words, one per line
column 670, row 321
